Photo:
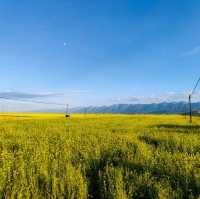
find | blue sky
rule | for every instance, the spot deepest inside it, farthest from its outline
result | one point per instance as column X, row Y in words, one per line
column 99, row 52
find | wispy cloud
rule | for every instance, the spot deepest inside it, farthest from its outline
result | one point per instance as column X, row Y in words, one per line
column 77, row 92
column 13, row 100
column 24, row 95
column 10, row 94
column 166, row 97
column 192, row 51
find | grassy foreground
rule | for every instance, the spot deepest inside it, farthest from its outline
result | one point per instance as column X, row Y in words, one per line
column 99, row 156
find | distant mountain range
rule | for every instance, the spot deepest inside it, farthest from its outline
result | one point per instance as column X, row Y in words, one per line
column 156, row 108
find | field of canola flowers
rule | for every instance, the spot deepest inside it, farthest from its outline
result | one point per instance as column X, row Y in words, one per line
column 99, row 156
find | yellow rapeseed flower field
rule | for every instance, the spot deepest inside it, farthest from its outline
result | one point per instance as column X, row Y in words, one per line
column 99, row 156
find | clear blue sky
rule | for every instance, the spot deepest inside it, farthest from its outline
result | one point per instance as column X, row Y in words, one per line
column 95, row 51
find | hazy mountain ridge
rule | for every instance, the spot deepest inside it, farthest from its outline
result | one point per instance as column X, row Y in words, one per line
column 155, row 108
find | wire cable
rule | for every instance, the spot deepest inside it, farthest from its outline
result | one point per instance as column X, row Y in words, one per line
column 194, row 89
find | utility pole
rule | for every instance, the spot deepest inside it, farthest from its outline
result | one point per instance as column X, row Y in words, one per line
column 186, row 111
column 190, row 98
column 190, row 106
column 67, row 111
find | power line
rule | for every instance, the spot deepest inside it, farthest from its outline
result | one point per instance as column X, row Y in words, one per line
column 197, row 83
column 40, row 102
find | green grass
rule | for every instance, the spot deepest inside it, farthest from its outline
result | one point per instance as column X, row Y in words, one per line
column 99, row 156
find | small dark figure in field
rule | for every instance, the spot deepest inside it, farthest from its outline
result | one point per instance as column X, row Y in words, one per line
column 67, row 115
